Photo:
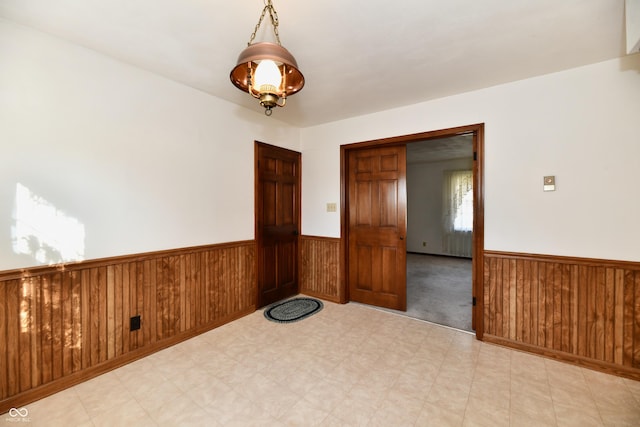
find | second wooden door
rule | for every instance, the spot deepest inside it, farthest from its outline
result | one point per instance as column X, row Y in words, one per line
column 277, row 222
column 377, row 226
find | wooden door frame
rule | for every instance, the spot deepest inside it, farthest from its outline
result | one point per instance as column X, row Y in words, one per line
column 477, row 268
column 257, row 191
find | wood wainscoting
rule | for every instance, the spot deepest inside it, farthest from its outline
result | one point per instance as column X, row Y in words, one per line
column 67, row 323
column 320, row 267
column 585, row 311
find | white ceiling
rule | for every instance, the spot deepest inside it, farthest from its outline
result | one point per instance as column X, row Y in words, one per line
column 437, row 150
column 358, row 57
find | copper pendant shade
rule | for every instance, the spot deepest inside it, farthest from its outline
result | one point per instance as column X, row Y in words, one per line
column 248, row 60
column 281, row 61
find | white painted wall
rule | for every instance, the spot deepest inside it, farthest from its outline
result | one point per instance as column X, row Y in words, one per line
column 580, row 125
column 141, row 162
column 424, row 203
column 145, row 164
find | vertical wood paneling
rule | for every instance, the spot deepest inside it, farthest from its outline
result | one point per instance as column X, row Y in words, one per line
column 65, row 320
column 102, row 317
column 67, row 324
column 585, row 308
column 110, row 313
column 320, row 267
column 118, row 306
column 499, row 296
column 535, row 301
column 609, row 307
column 85, row 318
column 619, row 317
column 25, row 338
column 636, row 325
column 519, row 296
column 629, row 318
column 45, row 327
column 12, row 337
column 573, row 302
column 76, row 320
column 4, row 363
column 582, row 310
column 132, row 336
column 565, row 308
column 512, row 314
column 36, row 320
column 56, row 325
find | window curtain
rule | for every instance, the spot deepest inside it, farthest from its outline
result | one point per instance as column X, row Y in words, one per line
column 457, row 233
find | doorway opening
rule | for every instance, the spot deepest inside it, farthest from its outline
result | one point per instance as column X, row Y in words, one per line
column 440, row 231
column 470, row 137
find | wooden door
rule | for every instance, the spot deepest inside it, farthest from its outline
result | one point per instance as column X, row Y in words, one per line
column 277, row 222
column 377, row 226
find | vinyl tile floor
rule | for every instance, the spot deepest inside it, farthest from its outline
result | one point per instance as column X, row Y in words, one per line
column 348, row 365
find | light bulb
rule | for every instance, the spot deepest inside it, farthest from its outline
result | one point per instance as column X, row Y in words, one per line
column 267, row 77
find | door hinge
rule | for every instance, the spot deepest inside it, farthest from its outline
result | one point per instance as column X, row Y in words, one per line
column 473, row 301
column 475, row 155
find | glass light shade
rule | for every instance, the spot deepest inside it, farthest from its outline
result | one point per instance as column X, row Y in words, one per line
column 267, row 77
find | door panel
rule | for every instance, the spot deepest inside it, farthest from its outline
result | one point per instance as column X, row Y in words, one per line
column 377, row 226
column 277, row 222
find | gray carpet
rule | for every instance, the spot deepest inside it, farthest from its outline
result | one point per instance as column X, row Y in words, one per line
column 439, row 290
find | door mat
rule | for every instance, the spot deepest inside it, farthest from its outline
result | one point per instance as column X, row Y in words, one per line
column 293, row 310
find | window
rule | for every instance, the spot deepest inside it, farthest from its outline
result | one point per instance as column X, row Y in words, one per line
column 458, row 200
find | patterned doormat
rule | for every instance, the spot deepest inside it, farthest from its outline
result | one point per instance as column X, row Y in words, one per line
column 293, row 310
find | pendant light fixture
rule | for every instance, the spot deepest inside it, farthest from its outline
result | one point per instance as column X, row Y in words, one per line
column 267, row 71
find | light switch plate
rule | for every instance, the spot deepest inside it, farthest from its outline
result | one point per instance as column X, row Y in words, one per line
column 331, row 207
column 549, row 183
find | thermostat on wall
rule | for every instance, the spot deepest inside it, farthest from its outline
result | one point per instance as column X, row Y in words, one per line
column 549, row 183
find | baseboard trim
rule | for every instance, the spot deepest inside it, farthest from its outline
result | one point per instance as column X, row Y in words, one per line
column 608, row 368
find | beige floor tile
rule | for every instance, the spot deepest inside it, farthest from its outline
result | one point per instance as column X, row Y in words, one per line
column 181, row 411
column 130, row 414
column 348, row 365
column 103, row 394
column 389, row 415
column 192, row 378
column 158, row 399
column 298, row 382
column 450, row 396
column 519, row 419
column 278, row 403
column 628, row 416
column 436, row 416
column 302, row 414
column 332, row 421
column 61, row 409
column 494, row 392
column 634, row 388
column 577, row 415
column 326, row 395
column 537, row 388
column 534, row 407
column 354, row 411
column 234, row 409
column 575, row 395
column 485, row 413
column 402, row 405
column 211, row 393
column 143, row 382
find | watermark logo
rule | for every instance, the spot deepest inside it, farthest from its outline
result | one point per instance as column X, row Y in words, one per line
column 18, row 415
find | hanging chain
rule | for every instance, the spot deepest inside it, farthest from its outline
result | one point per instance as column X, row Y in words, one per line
column 274, row 21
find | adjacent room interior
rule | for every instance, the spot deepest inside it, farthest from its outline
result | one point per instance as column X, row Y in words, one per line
column 439, row 231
